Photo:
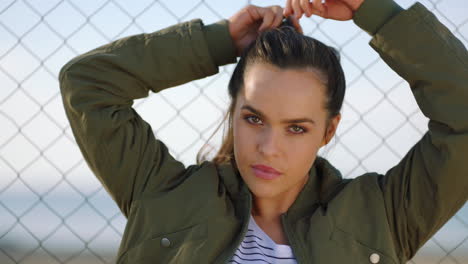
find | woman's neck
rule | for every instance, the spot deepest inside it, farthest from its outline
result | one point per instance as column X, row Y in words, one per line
column 270, row 209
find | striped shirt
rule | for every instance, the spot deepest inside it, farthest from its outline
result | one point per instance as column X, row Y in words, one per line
column 258, row 248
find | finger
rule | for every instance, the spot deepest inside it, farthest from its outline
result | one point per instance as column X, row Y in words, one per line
column 297, row 9
column 298, row 26
column 323, row 13
column 306, row 6
column 288, row 9
column 268, row 18
column 255, row 12
column 278, row 17
column 318, row 5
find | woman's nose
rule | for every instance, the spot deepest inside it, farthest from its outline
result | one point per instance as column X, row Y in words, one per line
column 269, row 143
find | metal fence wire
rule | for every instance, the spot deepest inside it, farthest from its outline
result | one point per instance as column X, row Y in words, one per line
column 52, row 208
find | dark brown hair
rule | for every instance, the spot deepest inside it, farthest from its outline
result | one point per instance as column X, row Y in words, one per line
column 285, row 48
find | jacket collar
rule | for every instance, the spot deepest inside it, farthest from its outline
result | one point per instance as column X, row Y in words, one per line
column 323, row 180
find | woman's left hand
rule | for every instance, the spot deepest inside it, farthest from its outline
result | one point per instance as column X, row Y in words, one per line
column 333, row 9
column 246, row 25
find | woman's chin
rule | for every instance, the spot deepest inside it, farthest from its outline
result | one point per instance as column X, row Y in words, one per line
column 263, row 191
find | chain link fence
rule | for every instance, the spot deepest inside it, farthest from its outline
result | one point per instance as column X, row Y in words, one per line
column 53, row 210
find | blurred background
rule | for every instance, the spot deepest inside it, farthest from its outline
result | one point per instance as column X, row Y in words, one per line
column 52, row 208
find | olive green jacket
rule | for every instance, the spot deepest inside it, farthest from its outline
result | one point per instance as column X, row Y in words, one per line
column 199, row 214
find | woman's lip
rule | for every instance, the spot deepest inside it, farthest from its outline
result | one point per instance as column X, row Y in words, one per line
column 264, row 174
column 265, row 168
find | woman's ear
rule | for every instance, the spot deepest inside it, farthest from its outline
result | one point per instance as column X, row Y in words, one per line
column 331, row 129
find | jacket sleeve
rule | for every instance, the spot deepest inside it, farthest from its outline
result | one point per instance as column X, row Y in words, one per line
column 430, row 184
column 98, row 89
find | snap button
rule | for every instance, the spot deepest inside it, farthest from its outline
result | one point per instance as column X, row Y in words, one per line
column 374, row 258
column 165, row 242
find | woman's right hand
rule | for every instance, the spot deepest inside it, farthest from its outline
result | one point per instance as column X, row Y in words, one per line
column 332, row 9
column 249, row 22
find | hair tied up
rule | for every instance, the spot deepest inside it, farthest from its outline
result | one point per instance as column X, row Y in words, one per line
column 288, row 23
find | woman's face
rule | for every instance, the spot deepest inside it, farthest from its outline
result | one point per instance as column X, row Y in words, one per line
column 265, row 135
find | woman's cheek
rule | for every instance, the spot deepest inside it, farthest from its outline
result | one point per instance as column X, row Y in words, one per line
column 305, row 147
column 242, row 135
column 246, row 136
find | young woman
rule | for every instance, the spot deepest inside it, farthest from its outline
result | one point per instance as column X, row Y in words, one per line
column 266, row 197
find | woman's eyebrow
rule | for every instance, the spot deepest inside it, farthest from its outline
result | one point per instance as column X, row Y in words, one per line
column 285, row 121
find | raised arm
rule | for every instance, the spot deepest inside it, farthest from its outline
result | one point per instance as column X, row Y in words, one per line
column 98, row 89
column 430, row 183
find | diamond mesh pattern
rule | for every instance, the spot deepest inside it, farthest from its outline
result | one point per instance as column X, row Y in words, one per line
column 52, row 208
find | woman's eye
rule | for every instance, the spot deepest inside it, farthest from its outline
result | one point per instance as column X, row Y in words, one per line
column 253, row 119
column 257, row 121
column 297, row 130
